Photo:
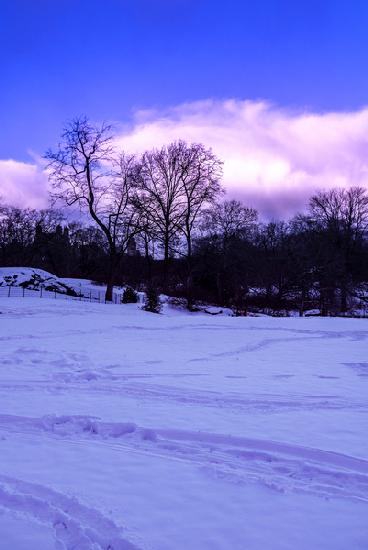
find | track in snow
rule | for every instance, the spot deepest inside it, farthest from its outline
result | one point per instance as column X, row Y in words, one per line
column 75, row 525
column 280, row 466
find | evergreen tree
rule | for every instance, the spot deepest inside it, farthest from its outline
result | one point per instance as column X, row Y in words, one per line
column 129, row 296
column 152, row 301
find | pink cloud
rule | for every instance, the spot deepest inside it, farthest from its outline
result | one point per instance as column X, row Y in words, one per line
column 22, row 184
column 274, row 159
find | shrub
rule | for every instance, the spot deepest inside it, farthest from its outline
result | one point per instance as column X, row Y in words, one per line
column 152, row 301
column 129, row 296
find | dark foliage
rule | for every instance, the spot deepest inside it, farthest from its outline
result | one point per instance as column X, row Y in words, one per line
column 152, row 300
column 317, row 261
column 129, row 296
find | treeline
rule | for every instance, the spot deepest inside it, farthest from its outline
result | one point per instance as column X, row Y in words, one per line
column 160, row 220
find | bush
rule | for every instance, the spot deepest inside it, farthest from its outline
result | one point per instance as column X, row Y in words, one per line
column 129, row 296
column 152, row 301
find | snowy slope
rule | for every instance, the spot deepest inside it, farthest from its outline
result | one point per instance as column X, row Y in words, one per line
column 18, row 275
column 32, row 279
column 123, row 429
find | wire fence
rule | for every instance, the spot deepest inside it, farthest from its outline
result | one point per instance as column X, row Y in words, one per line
column 96, row 296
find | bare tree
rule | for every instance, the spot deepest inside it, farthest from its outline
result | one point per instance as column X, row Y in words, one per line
column 161, row 196
column 343, row 214
column 342, row 209
column 275, row 256
column 84, row 171
column 49, row 219
column 147, row 241
column 18, row 229
column 176, row 183
column 230, row 219
column 228, row 222
column 18, row 225
column 200, row 174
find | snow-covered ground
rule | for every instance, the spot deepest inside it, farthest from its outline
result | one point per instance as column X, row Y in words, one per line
column 121, row 429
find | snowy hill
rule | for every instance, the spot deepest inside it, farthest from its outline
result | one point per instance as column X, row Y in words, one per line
column 125, row 430
column 32, row 279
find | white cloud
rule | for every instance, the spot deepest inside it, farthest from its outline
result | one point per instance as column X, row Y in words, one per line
column 22, row 184
column 273, row 158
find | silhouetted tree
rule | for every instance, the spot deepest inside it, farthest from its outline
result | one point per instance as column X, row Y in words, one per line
column 342, row 216
column 230, row 226
column 175, row 183
column 85, row 171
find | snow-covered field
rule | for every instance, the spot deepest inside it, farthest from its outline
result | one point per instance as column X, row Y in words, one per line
column 121, row 429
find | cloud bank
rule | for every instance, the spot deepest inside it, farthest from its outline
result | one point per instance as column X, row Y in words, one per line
column 274, row 159
column 22, row 184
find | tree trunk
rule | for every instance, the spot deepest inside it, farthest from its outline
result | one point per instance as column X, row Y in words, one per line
column 189, row 292
column 269, row 295
column 220, row 287
column 148, row 260
column 111, row 277
column 324, row 301
column 302, row 300
column 166, row 263
column 344, row 298
column 189, row 281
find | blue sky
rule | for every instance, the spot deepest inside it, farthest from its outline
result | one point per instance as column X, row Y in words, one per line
column 108, row 58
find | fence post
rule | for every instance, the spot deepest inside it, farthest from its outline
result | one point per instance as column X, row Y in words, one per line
column 90, row 296
column 41, row 291
column 9, row 291
column 55, row 294
column 23, row 292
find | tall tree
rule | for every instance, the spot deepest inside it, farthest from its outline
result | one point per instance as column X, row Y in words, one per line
column 161, row 197
column 201, row 172
column 176, row 183
column 85, row 171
